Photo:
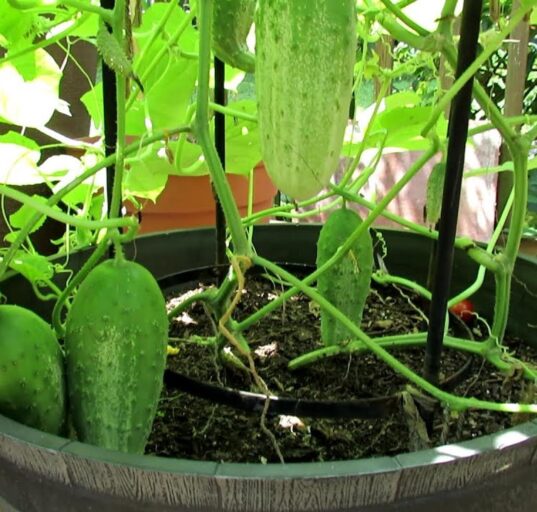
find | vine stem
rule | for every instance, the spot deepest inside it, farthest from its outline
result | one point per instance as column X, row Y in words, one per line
column 508, row 257
column 60, row 194
column 160, row 55
column 240, row 264
column 396, row 10
column 105, row 14
column 201, row 128
column 60, row 216
column 388, row 342
column 49, row 41
column 474, row 287
column 367, row 222
column 97, row 254
column 474, row 67
column 456, row 403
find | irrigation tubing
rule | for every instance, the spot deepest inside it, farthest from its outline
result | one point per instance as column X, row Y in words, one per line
column 365, row 408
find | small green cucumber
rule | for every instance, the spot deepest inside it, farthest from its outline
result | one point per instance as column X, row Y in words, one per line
column 346, row 284
column 435, row 188
column 115, row 345
column 232, row 20
column 112, row 53
column 32, row 388
column 305, row 56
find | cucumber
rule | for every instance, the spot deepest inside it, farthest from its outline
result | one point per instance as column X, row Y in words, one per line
column 32, row 388
column 305, row 56
column 115, row 345
column 232, row 20
column 347, row 283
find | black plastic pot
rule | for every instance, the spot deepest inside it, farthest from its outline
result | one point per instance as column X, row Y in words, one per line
column 41, row 473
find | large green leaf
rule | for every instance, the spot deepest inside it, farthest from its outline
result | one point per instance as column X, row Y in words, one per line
column 143, row 35
column 33, row 267
column 19, row 218
column 398, row 126
column 62, row 169
column 169, row 98
column 93, row 101
column 29, row 89
column 18, row 160
column 88, row 29
column 243, row 150
column 16, row 26
column 146, row 174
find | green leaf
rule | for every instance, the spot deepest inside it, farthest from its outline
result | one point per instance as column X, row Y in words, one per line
column 29, row 89
column 88, row 29
column 402, row 99
column 143, row 35
column 169, row 98
column 243, row 150
column 20, row 218
column 147, row 173
column 93, row 101
column 135, row 123
column 62, row 169
column 242, row 139
column 399, row 127
column 19, row 160
column 16, row 26
column 435, row 187
column 33, row 267
column 11, row 236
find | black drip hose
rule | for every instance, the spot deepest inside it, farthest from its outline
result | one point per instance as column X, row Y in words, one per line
column 447, row 227
column 220, row 143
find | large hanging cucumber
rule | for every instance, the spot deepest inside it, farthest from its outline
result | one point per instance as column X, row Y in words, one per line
column 346, row 284
column 32, row 389
column 115, row 344
column 305, row 56
column 232, row 20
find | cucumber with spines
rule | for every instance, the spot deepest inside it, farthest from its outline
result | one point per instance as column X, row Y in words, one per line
column 32, row 387
column 232, row 21
column 305, row 57
column 116, row 343
column 347, row 283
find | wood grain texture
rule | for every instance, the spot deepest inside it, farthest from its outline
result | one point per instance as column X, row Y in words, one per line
column 117, row 487
column 34, row 459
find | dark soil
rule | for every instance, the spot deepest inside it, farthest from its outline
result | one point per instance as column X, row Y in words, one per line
column 193, row 428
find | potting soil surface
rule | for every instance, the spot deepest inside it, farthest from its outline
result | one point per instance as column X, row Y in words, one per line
column 194, row 428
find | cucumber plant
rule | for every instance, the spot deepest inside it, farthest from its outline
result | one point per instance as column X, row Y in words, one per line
column 232, row 22
column 114, row 364
column 306, row 68
column 305, row 56
column 345, row 284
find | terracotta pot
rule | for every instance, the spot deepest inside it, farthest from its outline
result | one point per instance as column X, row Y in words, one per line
column 187, row 201
column 528, row 246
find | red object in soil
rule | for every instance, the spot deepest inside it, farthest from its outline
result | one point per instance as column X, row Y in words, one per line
column 464, row 310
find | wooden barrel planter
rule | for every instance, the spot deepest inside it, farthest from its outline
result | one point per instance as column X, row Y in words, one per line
column 40, row 472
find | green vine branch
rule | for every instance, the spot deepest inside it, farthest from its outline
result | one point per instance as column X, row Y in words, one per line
column 454, row 402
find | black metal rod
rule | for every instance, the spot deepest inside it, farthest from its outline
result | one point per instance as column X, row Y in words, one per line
column 110, row 117
column 220, row 143
column 447, row 227
column 110, row 125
